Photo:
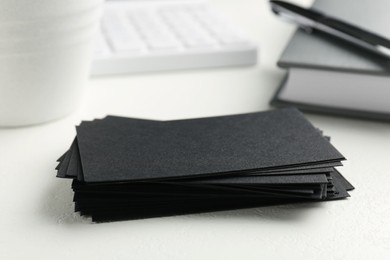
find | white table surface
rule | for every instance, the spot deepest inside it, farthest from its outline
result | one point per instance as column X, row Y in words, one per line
column 37, row 219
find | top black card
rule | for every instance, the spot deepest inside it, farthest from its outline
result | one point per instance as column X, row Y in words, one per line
column 125, row 149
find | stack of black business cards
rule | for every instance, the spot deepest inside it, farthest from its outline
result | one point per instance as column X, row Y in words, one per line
column 125, row 168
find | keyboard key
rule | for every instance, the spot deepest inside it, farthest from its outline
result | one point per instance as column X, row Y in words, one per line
column 197, row 42
column 232, row 40
column 121, row 42
column 152, row 30
column 161, row 45
column 101, row 46
column 120, row 34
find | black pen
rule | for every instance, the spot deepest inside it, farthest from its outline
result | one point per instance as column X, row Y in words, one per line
column 310, row 19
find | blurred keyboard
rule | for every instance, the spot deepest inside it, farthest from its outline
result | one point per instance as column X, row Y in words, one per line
column 145, row 36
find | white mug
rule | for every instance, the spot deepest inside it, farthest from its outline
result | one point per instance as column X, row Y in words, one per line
column 45, row 56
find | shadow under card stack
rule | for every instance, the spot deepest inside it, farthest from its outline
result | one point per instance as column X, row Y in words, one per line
column 126, row 168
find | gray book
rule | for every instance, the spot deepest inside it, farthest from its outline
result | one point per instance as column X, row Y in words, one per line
column 331, row 76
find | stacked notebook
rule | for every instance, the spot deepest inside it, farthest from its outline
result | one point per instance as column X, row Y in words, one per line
column 329, row 75
column 126, row 168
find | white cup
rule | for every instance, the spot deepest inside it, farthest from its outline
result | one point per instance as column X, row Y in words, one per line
column 45, row 56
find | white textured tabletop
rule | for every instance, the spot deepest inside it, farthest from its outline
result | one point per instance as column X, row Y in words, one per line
column 37, row 219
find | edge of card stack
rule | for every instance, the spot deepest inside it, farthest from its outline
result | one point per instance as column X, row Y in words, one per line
column 125, row 168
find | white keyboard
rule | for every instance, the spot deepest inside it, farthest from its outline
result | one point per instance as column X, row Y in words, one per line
column 146, row 36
